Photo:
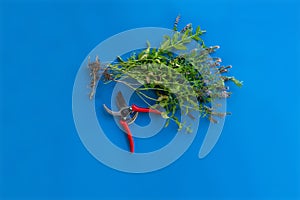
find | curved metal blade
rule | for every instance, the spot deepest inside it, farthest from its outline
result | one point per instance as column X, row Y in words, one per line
column 111, row 112
column 132, row 119
column 121, row 103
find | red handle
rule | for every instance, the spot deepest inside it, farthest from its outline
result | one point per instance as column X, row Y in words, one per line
column 147, row 110
column 129, row 135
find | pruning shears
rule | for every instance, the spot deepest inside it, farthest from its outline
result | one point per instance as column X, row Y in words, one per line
column 128, row 115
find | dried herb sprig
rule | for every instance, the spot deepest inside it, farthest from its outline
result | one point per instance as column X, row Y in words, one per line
column 94, row 68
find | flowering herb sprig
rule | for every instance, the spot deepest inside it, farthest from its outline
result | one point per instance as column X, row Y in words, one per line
column 157, row 69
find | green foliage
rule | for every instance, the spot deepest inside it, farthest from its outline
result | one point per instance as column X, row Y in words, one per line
column 186, row 81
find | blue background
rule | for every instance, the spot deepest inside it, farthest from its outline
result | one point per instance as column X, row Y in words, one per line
column 42, row 44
